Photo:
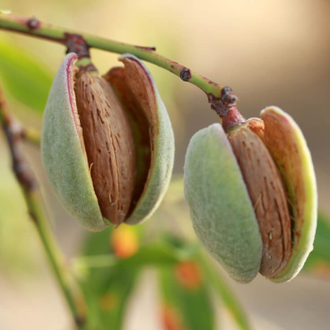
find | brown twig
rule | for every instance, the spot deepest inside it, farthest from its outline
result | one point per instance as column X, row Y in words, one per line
column 13, row 132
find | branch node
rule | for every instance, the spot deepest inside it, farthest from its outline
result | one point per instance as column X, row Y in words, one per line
column 33, row 23
column 226, row 108
column 75, row 43
column 222, row 105
column 185, row 74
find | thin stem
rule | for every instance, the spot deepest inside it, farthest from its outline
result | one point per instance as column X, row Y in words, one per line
column 73, row 297
column 34, row 27
column 28, row 185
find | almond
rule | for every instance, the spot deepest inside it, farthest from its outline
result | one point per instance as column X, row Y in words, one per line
column 107, row 143
column 252, row 194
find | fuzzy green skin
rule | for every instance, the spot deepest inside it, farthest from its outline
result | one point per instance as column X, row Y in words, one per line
column 301, row 250
column 63, row 157
column 220, row 207
column 161, row 171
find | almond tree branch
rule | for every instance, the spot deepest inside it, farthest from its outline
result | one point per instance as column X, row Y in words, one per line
column 26, row 179
column 221, row 98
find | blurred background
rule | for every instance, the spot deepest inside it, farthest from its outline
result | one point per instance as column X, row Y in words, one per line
column 273, row 52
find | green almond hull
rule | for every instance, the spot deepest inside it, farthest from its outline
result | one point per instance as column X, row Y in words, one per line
column 63, row 156
column 220, row 208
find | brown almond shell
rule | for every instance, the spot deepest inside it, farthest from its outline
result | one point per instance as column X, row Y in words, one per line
column 267, row 194
column 109, row 145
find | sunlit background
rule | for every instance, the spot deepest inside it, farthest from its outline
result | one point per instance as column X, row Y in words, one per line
column 273, row 52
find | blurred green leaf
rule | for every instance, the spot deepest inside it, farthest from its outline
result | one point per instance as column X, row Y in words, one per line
column 322, row 238
column 152, row 255
column 321, row 252
column 158, row 254
column 97, row 243
column 107, row 290
column 108, row 280
column 186, row 303
column 227, row 296
column 215, row 281
column 107, row 303
column 23, row 76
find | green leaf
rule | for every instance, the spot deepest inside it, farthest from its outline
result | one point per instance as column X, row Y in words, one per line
column 219, row 285
column 108, row 303
column 215, row 281
column 108, row 280
column 158, row 255
column 186, row 303
column 23, row 76
column 97, row 243
column 152, row 255
column 107, row 290
column 321, row 251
